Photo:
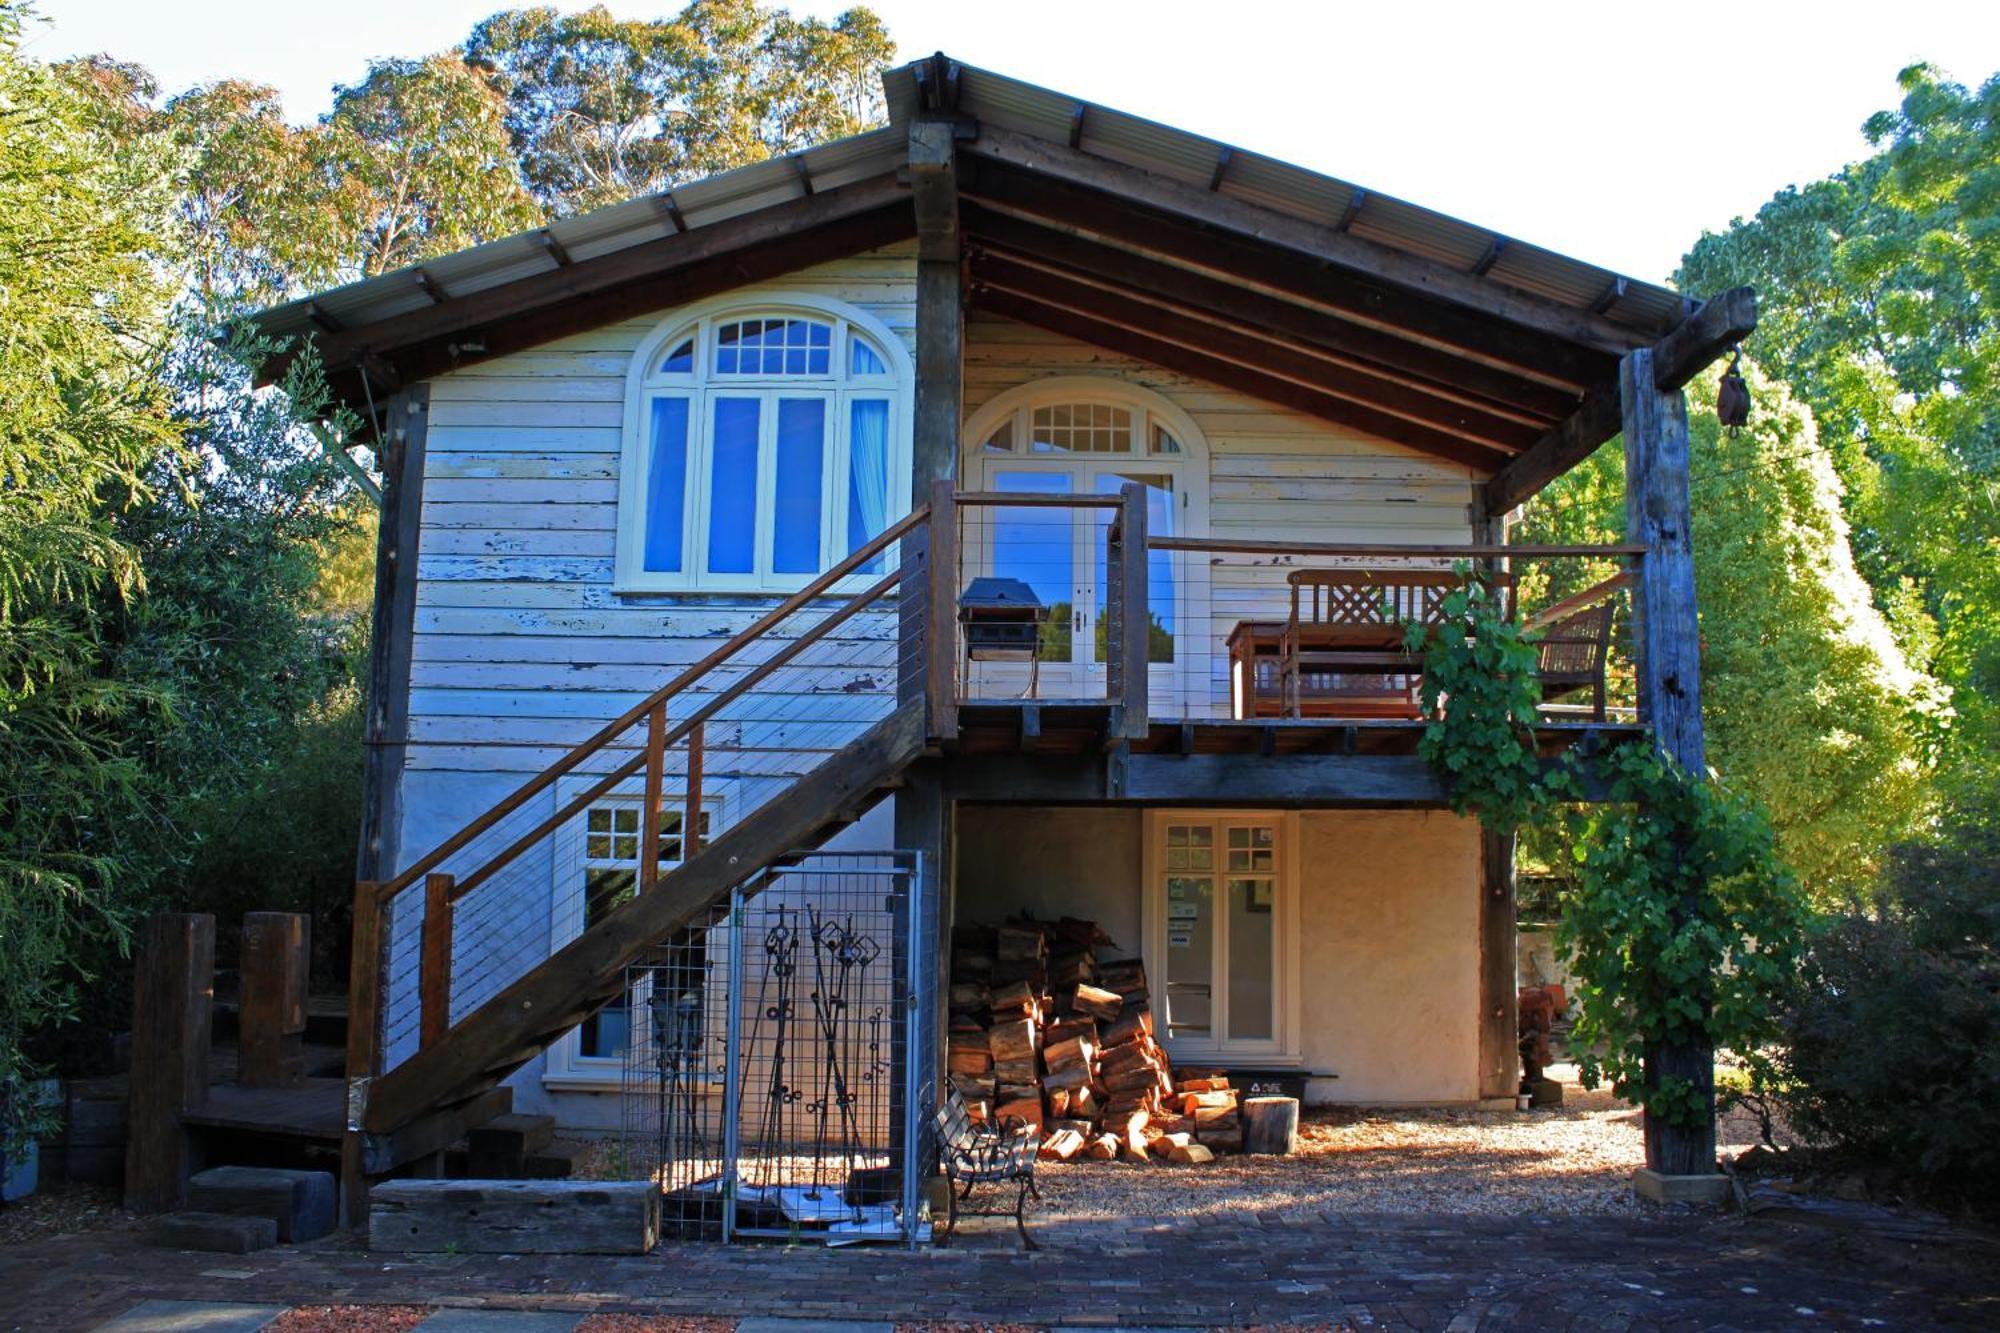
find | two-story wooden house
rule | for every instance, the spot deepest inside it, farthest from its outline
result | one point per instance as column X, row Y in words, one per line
column 1019, row 487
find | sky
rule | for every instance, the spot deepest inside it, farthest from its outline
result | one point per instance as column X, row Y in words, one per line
column 1614, row 131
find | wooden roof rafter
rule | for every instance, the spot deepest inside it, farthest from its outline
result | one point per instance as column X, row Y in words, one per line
column 1225, row 341
column 1412, row 365
column 1282, row 271
column 1148, row 344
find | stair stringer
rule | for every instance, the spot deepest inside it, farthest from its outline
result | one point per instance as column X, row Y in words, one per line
column 529, row 1015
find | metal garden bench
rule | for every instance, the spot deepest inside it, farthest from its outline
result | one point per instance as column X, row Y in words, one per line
column 975, row 1154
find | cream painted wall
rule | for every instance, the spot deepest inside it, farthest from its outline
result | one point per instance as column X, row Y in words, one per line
column 1389, row 920
column 1390, row 951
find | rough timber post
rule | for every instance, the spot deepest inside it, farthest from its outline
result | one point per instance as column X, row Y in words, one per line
column 173, row 986
column 1499, row 996
column 1667, row 641
column 923, row 813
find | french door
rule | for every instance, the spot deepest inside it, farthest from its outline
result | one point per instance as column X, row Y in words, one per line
column 1060, row 553
column 1222, row 934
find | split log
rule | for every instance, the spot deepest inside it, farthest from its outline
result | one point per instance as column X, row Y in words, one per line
column 1013, row 997
column 1099, row 1004
column 1067, row 1054
column 1012, row 944
column 1062, row 1145
column 1132, row 1055
column 1271, row 1125
column 968, row 1062
column 1071, row 1029
column 1129, row 1026
column 1023, row 1073
column 1215, row 1117
column 1202, row 1085
column 1025, row 1104
column 1189, row 1154
column 1012, row 1041
column 1104, row 1148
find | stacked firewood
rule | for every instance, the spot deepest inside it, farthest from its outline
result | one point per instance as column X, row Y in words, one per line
column 1042, row 1031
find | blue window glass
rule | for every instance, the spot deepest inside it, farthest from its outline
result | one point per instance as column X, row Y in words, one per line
column 666, row 485
column 801, row 451
column 732, row 488
column 863, row 359
column 680, row 361
column 774, row 347
column 867, row 473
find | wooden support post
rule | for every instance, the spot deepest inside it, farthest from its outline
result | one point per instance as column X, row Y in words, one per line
column 941, row 614
column 1499, row 994
column 691, row 831
column 1666, row 636
column 364, row 1047
column 434, row 972
column 275, row 953
column 649, row 813
column 388, row 701
column 173, row 990
column 940, row 390
column 1130, row 601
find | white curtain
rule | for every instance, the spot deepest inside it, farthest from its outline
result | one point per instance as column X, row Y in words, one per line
column 868, row 453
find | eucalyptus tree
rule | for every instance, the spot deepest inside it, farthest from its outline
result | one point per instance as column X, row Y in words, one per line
column 602, row 108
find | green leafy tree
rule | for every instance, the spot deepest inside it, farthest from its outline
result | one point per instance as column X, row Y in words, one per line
column 83, row 422
column 1810, row 706
column 1877, row 293
column 601, row 108
column 415, row 162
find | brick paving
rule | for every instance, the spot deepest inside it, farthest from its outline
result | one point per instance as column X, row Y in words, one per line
column 1455, row 1274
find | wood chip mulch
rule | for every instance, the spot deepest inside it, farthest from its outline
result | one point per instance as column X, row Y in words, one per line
column 653, row 1323
column 65, row 1209
column 348, row 1318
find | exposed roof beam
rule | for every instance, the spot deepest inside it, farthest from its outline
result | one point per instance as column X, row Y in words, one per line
column 1613, row 293
column 555, row 247
column 1415, row 364
column 1715, row 326
column 1574, row 439
column 1223, row 156
column 1252, row 351
column 934, row 187
column 668, row 205
column 1315, row 240
column 1076, row 125
column 1172, row 355
column 430, row 286
column 1490, row 258
column 656, row 261
column 1356, row 201
column 804, row 172
column 1395, row 311
column 322, row 321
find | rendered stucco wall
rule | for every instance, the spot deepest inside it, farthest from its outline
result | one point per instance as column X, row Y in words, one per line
column 1389, row 929
column 1390, row 955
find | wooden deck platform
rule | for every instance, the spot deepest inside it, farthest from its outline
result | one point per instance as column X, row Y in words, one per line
column 315, row 1110
column 1068, row 751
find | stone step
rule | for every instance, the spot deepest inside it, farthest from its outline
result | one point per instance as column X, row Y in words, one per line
column 219, row 1233
column 514, row 1216
column 299, row 1203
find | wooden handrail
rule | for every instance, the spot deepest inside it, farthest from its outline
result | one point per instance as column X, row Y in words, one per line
column 611, row 730
column 1037, row 500
column 1230, row 546
column 673, row 737
column 1577, row 601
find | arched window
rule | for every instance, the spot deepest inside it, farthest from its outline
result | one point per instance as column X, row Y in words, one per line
column 763, row 442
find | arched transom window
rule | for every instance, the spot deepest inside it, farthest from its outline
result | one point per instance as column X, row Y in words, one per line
column 763, row 444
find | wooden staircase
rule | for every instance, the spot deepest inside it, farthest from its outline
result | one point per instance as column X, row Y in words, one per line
column 457, row 1064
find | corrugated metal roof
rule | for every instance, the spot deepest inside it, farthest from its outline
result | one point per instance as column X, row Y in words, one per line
column 994, row 99
column 1025, row 108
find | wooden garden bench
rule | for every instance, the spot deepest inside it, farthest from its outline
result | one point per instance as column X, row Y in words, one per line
column 1342, row 654
column 1576, row 643
column 974, row 1154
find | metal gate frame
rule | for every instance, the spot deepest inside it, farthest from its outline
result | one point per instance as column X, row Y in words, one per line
column 740, row 1190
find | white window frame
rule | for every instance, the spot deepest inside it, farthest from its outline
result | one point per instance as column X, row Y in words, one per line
column 1184, row 686
column 1284, row 1047
column 702, row 386
column 568, row 1068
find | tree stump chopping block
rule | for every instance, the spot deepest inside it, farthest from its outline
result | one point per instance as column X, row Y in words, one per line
column 1270, row 1125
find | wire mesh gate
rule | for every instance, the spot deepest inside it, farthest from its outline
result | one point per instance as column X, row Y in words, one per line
column 771, row 1053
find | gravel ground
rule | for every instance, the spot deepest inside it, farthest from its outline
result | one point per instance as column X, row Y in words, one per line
column 348, row 1319
column 1572, row 1160
column 64, row 1209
